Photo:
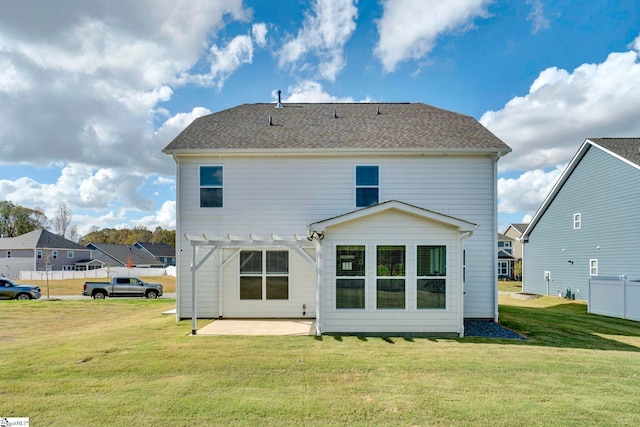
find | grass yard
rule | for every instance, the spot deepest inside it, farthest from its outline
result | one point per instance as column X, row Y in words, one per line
column 509, row 286
column 121, row 362
column 74, row 286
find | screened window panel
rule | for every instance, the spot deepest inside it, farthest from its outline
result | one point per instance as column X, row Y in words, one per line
column 390, row 261
column 390, row 293
column 251, row 262
column 350, row 261
column 431, row 293
column 277, row 287
column 277, row 262
column 350, row 293
column 432, row 261
column 250, row 288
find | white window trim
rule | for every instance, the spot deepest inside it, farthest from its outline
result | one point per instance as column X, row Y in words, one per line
column 70, row 254
column 39, row 254
column 356, row 186
column 593, row 271
column 500, row 265
column 367, row 264
column 224, row 180
column 446, row 278
column 405, row 277
column 54, row 254
column 577, row 221
column 264, row 274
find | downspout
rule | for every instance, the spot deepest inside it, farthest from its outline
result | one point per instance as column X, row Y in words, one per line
column 495, row 236
column 193, row 290
column 319, row 302
column 463, row 237
column 178, row 239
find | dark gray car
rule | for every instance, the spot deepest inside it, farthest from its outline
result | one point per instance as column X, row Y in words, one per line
column 11, row 290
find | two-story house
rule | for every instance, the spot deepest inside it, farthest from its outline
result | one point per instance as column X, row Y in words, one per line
column 586, row 225
column 506, row 259
column 41, row 250
column 370, row 218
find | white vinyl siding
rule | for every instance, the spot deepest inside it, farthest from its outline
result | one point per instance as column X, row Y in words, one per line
column 283, row 195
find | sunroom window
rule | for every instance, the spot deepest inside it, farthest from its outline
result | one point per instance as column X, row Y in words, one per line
column 350, row 277
column 390, row 277
column 431, row 277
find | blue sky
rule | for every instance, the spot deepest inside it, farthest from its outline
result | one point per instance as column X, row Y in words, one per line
column 90, row 92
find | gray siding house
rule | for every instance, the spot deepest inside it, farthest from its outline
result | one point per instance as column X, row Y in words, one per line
column 41, row 250
column 587, row 225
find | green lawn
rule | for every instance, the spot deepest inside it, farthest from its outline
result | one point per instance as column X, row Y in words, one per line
column 121, row 362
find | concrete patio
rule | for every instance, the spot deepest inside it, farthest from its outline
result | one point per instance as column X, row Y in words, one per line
column 257, row 327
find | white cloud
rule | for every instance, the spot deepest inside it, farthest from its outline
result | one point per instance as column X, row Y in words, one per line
column 537, row 16
column 562, row 109
column 527, row 192
column 311, row 91
column 164, row 217
column 408, row 29
column 324, row 34
column 259, row 32
column 81, row 80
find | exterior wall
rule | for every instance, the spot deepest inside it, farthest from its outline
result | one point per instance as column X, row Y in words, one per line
column 302, row 291
column 284, row 195
column 20, row 259
column 62, row 260
column 606, row 192
column 389, row 228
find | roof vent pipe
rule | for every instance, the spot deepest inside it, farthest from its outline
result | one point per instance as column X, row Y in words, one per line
column 378, row 109
column 270, row 121
column 279, row 104
column 335, row 113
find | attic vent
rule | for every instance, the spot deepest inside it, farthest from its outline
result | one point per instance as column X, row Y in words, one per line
column 279, row 104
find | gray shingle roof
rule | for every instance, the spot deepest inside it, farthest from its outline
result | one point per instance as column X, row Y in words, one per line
column 629, row 148
column 39, row 239
column 121, row 254
column 356, row 126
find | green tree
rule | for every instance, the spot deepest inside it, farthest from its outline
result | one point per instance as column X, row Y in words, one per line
column 16, row 220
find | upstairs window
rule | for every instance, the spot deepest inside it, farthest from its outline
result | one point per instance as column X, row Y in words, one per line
column 593, row 267
column 367, row 186
column 211, row 190
column 69, row 254
column 39, row 253
column 577, row 221
column 54, row 254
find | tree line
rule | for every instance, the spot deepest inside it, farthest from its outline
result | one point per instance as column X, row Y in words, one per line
column 16, row 220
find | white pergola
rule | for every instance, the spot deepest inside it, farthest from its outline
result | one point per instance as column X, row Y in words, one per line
column 213, row 244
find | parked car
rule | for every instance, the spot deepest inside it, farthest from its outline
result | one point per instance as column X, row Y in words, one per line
column 122, row 287
column 12, row 290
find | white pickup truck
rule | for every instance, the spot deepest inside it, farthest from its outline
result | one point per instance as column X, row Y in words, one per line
column 122, row 287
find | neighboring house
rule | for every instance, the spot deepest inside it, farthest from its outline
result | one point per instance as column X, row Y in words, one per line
column 506, row 259
column 113, row 255
column 587, row 225
column 41, row 250
column 367, row 217
column 514, row 232
column 166, row 254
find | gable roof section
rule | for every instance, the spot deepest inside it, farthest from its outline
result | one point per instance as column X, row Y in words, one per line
column 320, row 127
column 121, row 253
column 39, row 239
column 626, row 150
column 463, row 226
column 157, row 249
column 519, row 227
column 503, row 238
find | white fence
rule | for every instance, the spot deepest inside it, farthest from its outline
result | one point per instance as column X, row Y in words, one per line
column 96, row 274
column 615, row 297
